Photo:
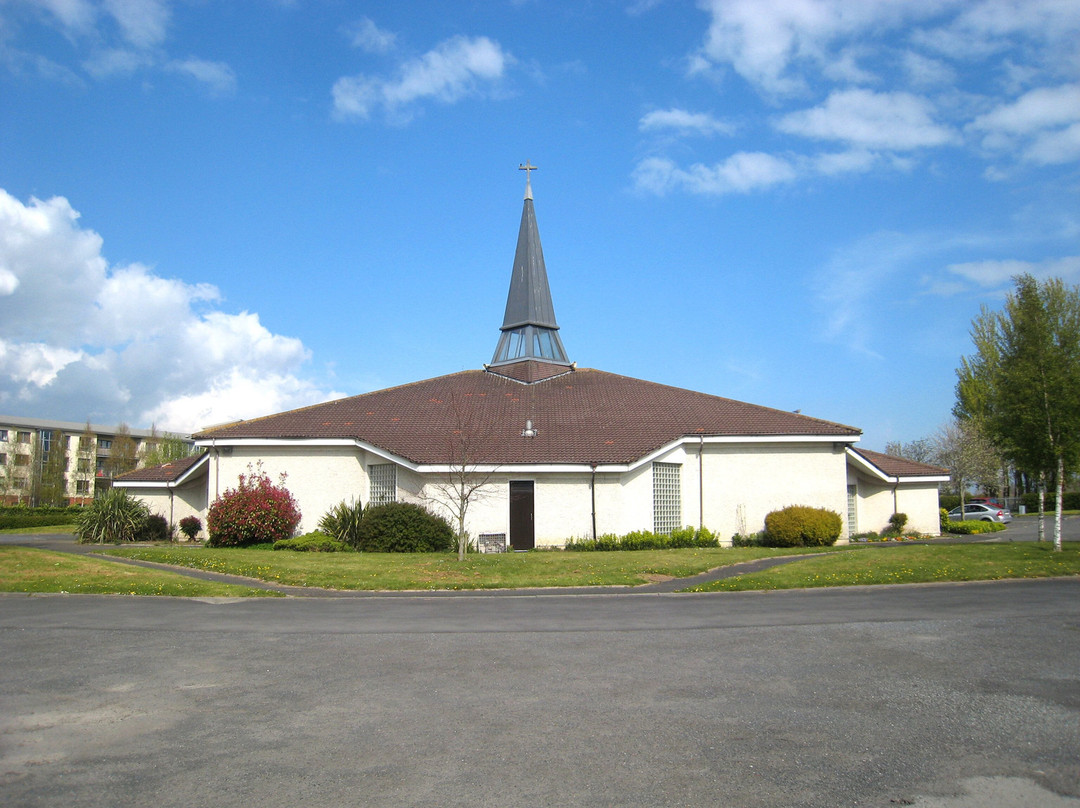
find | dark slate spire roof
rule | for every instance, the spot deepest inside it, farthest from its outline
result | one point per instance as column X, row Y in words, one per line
column 530, row 333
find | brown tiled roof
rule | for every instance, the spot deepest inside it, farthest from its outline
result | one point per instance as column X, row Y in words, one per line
column 530, row 371
column 900, row 466
column 165, row 473
column 586, row 416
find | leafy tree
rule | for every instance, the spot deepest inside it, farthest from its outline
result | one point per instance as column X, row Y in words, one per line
column 1023, row 381
column 165, row 448
column 255, row 511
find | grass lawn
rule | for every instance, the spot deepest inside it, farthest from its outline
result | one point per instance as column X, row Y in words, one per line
column 424, row 571
column 908, row 564
column 33, row 570
column 27, row 569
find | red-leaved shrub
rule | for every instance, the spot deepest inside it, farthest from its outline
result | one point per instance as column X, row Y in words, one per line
column 255, row 511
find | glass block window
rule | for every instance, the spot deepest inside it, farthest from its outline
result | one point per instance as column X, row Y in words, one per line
column 383, row 483
column 667, row 497
column 852, row 512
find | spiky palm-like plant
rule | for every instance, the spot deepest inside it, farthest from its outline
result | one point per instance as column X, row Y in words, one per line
column 113, row 517
column 343, row 522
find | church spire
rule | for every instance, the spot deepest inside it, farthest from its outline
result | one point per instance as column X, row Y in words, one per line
column 529, row 329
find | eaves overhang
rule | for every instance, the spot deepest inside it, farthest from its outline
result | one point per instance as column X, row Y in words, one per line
column 179, row 481
column 871, row 470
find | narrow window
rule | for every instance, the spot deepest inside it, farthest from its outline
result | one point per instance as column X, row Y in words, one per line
column 383, row 483
column 852, row 511
column 667, row 498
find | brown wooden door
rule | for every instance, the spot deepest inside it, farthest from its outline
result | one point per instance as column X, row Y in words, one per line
column 522, row 531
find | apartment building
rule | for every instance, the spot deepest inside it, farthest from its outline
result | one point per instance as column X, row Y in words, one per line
column 62, row 462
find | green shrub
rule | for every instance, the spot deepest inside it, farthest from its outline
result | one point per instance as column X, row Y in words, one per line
column 190, row 527
column 896, row 524
column 113, row 517
column 314, row 542
column 802, row 526
column 342, row 522
column 748, row 540
column 254, row 512
column 155, row 528
column 402, row 527
column 1069, row 502
column 972, row 526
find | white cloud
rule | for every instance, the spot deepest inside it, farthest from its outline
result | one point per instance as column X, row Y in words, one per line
column 116, row 62
column 458, row 67
column 764, row 39
column 79, row 338
column 684, row 122
column 995, row 273
column 217, row 76
column 739, row 173
column 367, row 36
column 862, row 118
column 142, row 22
column 1044, row 124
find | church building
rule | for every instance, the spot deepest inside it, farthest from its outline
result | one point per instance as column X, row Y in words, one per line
column 554, row 451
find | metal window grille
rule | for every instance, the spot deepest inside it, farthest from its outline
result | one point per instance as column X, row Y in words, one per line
column 667, row 498
column 383, row 483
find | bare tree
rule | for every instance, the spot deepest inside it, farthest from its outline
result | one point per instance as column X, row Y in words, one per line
column 921, row 450
column 469, row 472
column 964, row 449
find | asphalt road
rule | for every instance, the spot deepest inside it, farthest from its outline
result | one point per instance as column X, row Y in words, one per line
column 938, row 696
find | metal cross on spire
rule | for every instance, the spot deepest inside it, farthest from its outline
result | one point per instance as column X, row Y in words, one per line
column 527, row 168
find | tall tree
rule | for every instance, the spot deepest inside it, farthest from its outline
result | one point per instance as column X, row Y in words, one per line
column 1023, row 381
column 123, row 452
column 51, row 480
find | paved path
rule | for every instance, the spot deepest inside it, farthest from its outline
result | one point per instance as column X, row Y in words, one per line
column 938, row 696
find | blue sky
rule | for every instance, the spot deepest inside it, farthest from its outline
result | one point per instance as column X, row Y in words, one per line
column 212, row 211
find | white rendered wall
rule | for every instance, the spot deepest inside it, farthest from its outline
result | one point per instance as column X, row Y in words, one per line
column 317, row 477
column 743, row 483
column 179, row 503
column 876, row 503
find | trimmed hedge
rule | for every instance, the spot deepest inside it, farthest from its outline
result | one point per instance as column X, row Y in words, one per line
column 1069, row 502
column 314, row 542
column 802, row 526
column 403, row 527
column 647, row 540
column 19, row 516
